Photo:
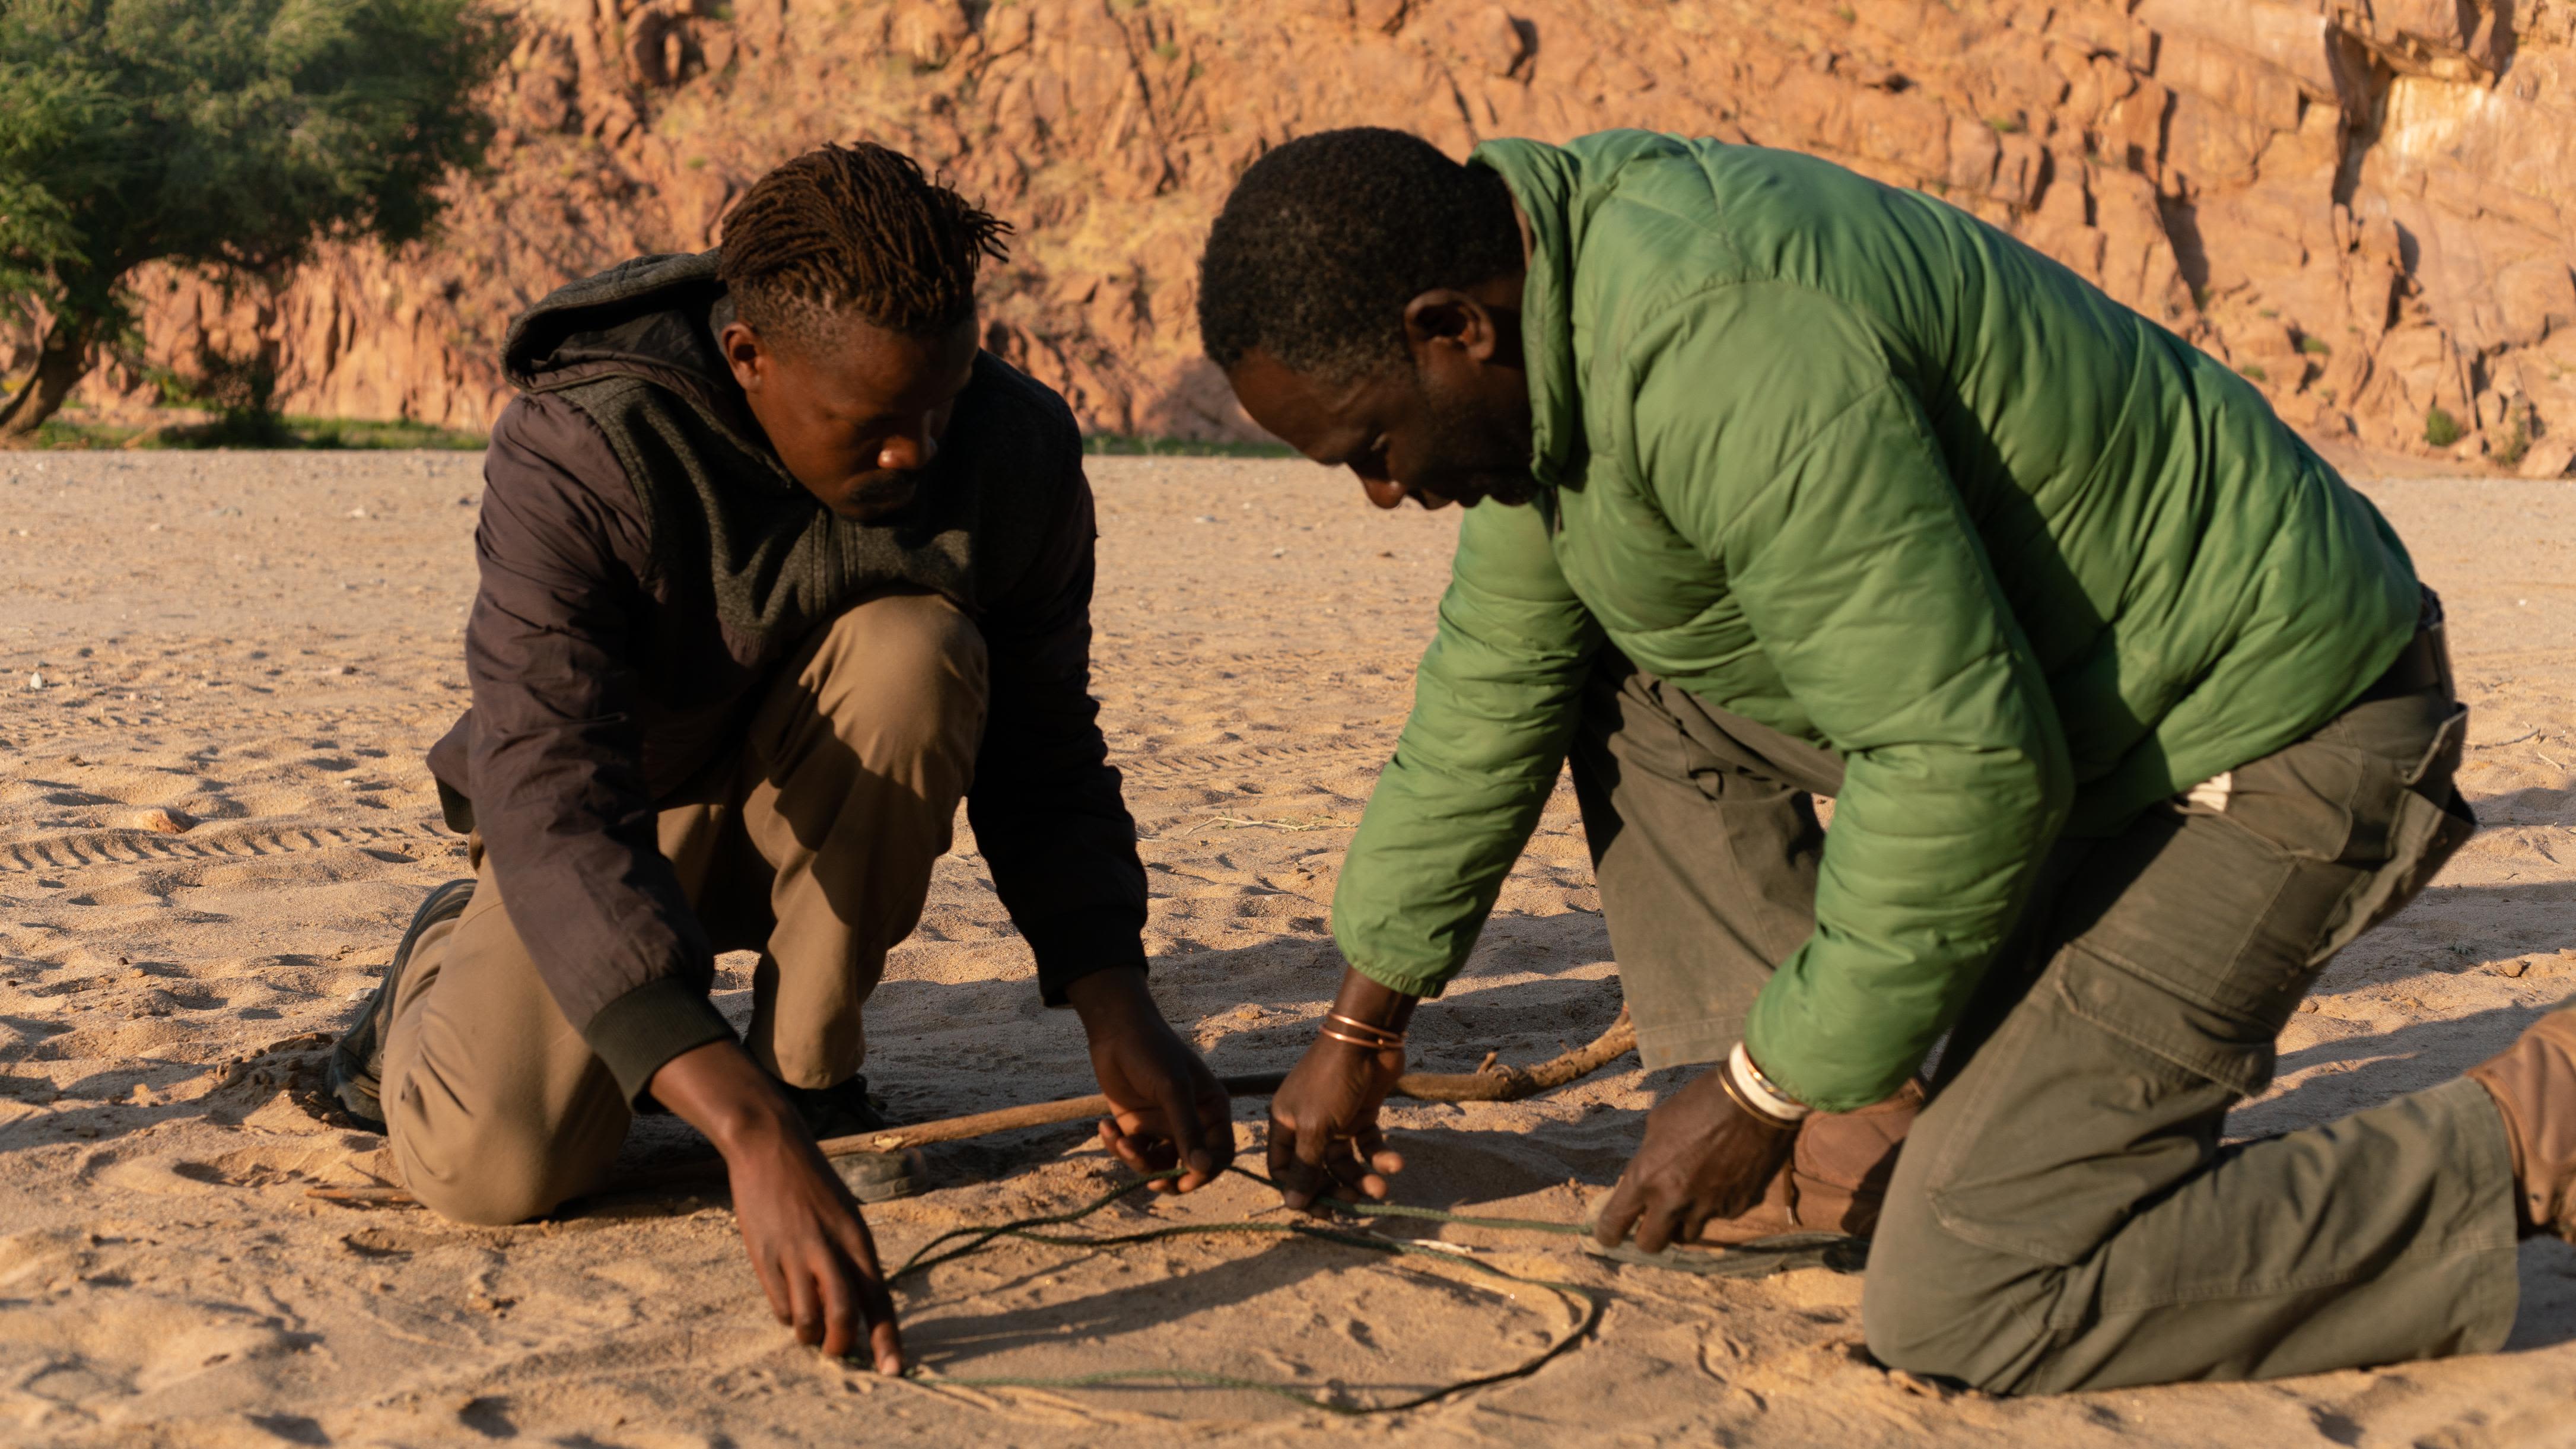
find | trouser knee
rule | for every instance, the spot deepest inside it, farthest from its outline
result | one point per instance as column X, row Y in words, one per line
column 901, row 677
column 488, row 1178
column 496, row 1111
column 1935, row 1306
column 483, row 1202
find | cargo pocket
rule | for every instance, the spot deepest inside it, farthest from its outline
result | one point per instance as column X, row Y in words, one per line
column 2102, row 1091
column 2431, row 822
column 2232, row 1049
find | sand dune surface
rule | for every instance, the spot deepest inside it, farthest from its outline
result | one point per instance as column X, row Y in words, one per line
column 221, row 672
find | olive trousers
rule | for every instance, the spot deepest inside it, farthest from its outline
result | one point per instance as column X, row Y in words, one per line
column 2064, row 1214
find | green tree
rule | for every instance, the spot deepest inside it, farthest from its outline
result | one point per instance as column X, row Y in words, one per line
column 226, row 134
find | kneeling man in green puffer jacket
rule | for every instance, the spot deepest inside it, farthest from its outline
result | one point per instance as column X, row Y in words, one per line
column 1785, row 484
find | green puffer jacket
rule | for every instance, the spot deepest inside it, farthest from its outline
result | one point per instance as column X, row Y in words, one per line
column 1844, row 460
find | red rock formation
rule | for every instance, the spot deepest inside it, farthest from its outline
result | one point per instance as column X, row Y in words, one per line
column 2365, row 204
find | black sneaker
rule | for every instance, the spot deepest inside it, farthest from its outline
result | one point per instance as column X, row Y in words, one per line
column 847, row 1110
column 354, row 1074
column 883, row 1176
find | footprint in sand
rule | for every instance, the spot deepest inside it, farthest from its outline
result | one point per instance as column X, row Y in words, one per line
column 347, row 1160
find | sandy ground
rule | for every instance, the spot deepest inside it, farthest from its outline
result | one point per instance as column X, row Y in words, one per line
column 267, row 644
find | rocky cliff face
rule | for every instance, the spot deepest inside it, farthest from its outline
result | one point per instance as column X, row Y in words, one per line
column 2365, row 205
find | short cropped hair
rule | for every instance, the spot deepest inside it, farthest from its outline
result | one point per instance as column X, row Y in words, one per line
column 1325, row 240
column 855, row 231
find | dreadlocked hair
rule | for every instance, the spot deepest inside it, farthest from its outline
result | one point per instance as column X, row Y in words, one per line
column 855, row 230
column 1327, row 237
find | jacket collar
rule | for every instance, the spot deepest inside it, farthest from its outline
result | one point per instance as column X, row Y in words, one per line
column 1561, row 189
column 1545, row 180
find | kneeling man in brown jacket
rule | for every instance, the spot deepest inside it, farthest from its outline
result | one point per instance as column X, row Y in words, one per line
column 776, row 567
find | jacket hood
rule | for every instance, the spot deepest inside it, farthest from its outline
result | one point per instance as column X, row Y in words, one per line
column 649, row 318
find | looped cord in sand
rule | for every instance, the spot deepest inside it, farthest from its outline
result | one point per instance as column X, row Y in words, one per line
column 1751, row 1260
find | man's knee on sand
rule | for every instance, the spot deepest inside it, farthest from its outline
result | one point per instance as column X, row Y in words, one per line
column 493, row 1175
column 1935, row 1306
column 484, row 1201
column 901, row 676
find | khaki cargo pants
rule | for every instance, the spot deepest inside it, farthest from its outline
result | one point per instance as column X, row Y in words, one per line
column 813, row 845
column 2064, row 1215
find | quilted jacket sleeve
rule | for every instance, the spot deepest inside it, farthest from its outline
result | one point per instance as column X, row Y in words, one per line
column 1769, row 425
column 1494, row 708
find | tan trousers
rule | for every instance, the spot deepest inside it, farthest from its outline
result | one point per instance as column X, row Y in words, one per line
column 813, row 844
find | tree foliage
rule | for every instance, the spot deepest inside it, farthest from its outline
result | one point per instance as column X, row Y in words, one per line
column 230, row 134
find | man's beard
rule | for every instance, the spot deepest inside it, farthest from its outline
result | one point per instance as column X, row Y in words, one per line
column 1478, row 456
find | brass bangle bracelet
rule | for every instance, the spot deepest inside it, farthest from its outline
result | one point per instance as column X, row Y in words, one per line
column 1375, row 1046
column 1726, row 1079
column 1391, row 1038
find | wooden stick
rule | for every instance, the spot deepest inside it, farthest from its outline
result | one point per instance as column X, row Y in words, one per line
column 1488, row 1083
column 1491, row 1083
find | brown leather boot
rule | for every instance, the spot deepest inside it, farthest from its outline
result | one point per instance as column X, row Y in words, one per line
column 1835, row 1178
column 2534, row 1086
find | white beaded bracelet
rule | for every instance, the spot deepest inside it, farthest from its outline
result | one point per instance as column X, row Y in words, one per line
column 1758, row 1090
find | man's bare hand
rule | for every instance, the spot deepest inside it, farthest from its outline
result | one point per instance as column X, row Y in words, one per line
column 807, row 1240
column 1324, row 1136
column 1704, row 1157
column 1167, row 1109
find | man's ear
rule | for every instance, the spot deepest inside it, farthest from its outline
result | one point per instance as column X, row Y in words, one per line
column 1446, row 317
column 744, row 353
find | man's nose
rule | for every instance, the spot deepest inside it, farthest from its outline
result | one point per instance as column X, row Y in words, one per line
column 910, row 450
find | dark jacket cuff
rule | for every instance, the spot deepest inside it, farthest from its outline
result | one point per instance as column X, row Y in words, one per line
column 1077, row 943
column 636, row 1033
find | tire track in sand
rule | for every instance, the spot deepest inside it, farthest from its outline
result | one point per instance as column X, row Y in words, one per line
column 1157, row 767
column 81, row 849
column 87, row 848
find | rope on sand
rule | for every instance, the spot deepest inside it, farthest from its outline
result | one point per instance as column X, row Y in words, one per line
column 1490, row 1082
column 1752, row 1260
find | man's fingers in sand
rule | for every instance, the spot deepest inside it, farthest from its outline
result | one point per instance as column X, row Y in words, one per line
column 885, row 1344
column 1355, row 1174
column 840, row 1310
column 773, row 1282
column 1659, row 1225
column 1369, row 1145
column 1693, row 1219
column 805, row 1295
column 1189, row 1151
column 1618, row 1214
column 1349, row 1168
column 1370, row 1162
column 867, row 1294
column 1297, row 1181
column 1215, row 1107
column 1144, row 1153
column 1121, row 1145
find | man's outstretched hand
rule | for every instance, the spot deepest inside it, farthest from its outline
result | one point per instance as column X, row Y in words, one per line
column 1324, row 1137
column 1167, row 1109
column 803, row 1230
column 1704, row 1157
